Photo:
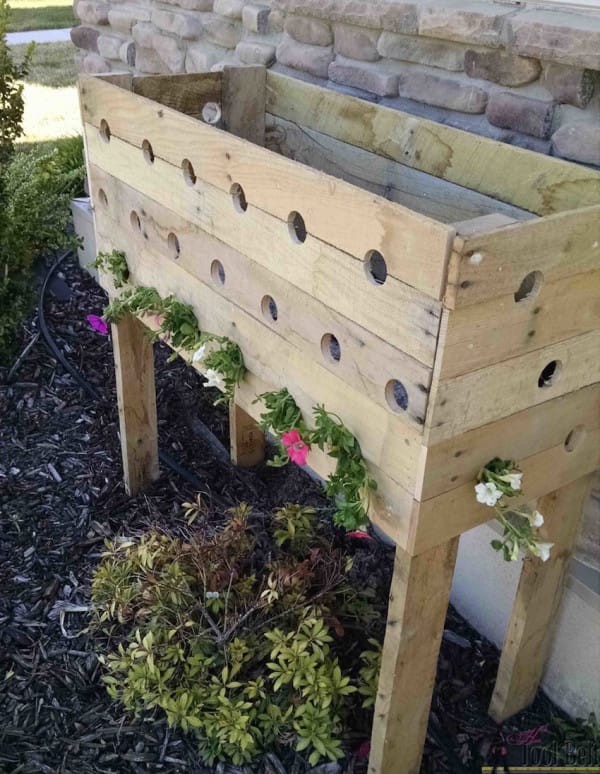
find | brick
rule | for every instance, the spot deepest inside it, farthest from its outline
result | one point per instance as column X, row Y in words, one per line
column 427, row 51
column 442, row 91
column 395, row 15
column 522, row 114
column 148, row 61
column 85, row 37
column 202, row 56
column 122, row 18
column 378, row 78
column 502, row 67
column 579, row 142
column 476, row 23
column 566, row 37
column 310, row 59
column 569, row 85
column 143, row 34
column 92, row 13
column 127, row 53
column 109, row 46
column 355, row 42
column 312, row 31
column 224, row 32
column 94, row 64
column 232, row 9
column 255, row 18
column 184, row 25
column 255, row 53
column 170, row 52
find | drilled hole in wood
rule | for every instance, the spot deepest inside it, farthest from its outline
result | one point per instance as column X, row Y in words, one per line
column 239, row 197
column 188, row 172
column 330, row 347
column 375, row 267
column 574, row 438
column 297, row 227
column 102, row 197
column 269, row 308
column 134, row 219
column 217, row 272
column 211, row 113
column 530, row 287
column 104, row 130
column 396, row 395
column 148, row 152
column 173, row 245
column 549, row 374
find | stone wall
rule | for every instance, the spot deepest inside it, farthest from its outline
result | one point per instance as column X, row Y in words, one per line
column 525, row 76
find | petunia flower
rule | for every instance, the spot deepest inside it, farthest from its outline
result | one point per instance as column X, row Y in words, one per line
column 542, row 550
column 364, row 751
column 295, row 447
column 488, row 494
column 514, row 479
column 214, row 379
column 536, row 519
column 203, row 350
column 359, row 534
column 98, row 324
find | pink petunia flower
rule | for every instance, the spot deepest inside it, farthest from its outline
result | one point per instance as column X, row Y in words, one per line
column 295, row 447
column 99, row 324
column 364, row 751
column 359, row 534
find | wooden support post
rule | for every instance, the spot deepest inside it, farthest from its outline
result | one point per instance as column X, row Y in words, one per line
column 134, row 367
column 247, row 440
column 530, row 630
column 244, row 93
column 417, row 611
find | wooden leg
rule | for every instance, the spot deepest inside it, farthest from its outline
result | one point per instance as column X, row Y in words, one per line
column 529, row 633
column 416, row 615
column 134, row 366
column 246, row 438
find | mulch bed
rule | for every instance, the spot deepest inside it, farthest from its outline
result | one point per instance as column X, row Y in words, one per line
column 61, row 495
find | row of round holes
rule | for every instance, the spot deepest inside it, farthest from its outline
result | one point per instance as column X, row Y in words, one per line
column 395, row 392
column 375, row 265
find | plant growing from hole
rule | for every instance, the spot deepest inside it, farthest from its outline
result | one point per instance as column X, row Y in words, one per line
column 350, row 485
column 114, row 263
column 238, row 636
column 501, row 479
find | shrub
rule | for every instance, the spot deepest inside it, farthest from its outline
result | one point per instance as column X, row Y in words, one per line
column 238, row 637
column 11, row 91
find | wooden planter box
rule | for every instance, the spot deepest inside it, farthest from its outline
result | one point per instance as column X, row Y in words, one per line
column 437, row 290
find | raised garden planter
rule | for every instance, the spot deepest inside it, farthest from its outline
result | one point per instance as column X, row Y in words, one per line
column 442, row 300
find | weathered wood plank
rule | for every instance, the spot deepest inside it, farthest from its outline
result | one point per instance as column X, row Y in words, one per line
column 243, row 103
column 530, row 631
column 397, row 313
column 531, row 181
column 457, row 461
column 366, row 362
column 499, row 390
column 247, row 440
column 136, row 395
column 187, row 93
column 417, row 610
column 421, row 192
column 415, row 247
column 542, row 473
column 485, row 266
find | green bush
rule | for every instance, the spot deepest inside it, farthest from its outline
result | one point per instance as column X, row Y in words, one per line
column 11, row 91
column 238, row 637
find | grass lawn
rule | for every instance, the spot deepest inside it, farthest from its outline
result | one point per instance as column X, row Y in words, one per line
column 51, row 106
column 40, row 15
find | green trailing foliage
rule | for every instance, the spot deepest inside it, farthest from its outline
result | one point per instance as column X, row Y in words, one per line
column 237, row 636
column 116, row 264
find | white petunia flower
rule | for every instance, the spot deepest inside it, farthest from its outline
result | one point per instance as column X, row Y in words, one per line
column 199, row 354
column 542, row 550
column 488, row 494
column 536, row 519
column 214, row 379
column 514, row 479
column 212, row 595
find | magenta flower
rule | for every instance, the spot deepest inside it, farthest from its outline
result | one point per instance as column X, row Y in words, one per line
column 99, row 324
column 364, row 751
column 359, row 534
column 295, row 447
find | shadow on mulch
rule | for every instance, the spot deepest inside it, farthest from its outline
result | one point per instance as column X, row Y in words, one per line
column 61, row 494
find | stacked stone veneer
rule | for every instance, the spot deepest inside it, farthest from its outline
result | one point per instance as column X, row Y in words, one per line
column 524, row 76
